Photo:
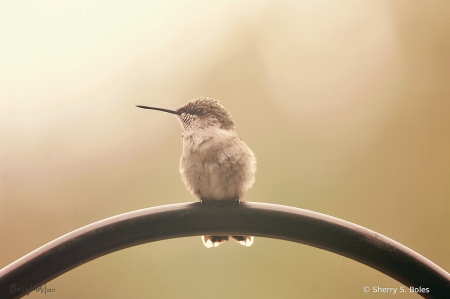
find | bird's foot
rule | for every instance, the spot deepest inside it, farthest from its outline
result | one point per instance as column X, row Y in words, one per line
column 244, row 240
column 213, row 241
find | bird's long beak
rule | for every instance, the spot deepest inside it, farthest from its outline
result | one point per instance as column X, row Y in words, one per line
column 159, row 109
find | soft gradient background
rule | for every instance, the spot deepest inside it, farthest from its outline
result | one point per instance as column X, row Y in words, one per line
column 345, row 103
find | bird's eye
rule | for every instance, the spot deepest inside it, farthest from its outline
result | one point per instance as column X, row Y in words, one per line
column 199, row 111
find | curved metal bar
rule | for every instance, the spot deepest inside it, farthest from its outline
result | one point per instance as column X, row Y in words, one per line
column 249, row 218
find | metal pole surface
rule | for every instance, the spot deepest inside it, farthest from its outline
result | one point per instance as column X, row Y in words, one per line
column 248, row 218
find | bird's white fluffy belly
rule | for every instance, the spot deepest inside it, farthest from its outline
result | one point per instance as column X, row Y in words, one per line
column 209, row 165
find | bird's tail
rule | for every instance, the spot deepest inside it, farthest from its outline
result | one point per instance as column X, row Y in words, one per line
column 214, row 241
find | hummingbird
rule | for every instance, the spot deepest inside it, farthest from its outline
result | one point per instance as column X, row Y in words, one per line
column 216, row 165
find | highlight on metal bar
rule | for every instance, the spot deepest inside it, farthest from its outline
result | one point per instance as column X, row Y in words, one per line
column 248, row 218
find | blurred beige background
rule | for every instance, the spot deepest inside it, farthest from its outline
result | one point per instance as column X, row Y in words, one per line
column 345, row 103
